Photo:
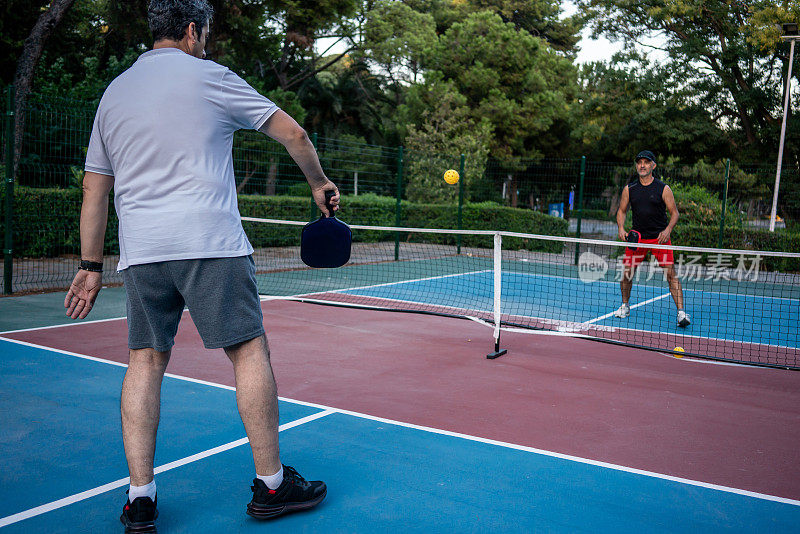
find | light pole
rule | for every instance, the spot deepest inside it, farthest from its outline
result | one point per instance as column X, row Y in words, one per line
column 791, row 34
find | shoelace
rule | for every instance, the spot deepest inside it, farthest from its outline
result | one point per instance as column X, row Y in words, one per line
column 294, row 475
column 289, row 473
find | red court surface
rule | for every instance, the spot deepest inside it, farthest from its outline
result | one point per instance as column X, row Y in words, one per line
column 721, row 424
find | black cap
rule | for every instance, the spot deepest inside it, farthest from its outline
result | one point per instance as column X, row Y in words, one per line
column 646, row 154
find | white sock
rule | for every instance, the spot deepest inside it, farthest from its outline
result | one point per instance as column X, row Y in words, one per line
column 272, row 481
column 148, row 490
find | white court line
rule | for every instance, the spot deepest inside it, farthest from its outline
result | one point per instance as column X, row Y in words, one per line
column 72, row 499
column 648, row 301
column 543, row 452
column 557, row 322
column 616, row 283
column 714, row 362
column 63, row 325
column 400, row 282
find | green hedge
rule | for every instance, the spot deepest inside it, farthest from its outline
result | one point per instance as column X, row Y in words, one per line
column 47, row 221
column 374, row 210
column 744, row 239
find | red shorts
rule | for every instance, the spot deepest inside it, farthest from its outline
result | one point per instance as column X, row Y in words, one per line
column 634, row 258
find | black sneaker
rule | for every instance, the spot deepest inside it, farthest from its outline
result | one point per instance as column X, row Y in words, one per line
column 139, row 516
column 294, row 494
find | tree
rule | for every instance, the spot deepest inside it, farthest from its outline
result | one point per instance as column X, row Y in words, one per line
column 735, row 75
column 18, row 17
column 396, row 38
column 301, row 24
column 509, row 77
column 628, row 104
column 447, row 130
column 26, row 66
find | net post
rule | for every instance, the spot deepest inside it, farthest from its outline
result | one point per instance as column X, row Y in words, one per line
column 580, row 207
column 724, row 203
column 498, row 249
column 460, row 201
column 8, row 258
column 398, row 205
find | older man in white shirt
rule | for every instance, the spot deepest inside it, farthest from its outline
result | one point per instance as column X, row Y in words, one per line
column 162, row 137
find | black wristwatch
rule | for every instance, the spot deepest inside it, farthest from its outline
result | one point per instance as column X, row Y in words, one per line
column 93, row 266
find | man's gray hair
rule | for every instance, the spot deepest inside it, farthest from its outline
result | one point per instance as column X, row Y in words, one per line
column 168, row 19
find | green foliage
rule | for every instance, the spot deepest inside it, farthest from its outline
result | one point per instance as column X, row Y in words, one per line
column 299, row 189
column 735, row 82
column 447, row 130
column 488, row 216
column 698, row 206
column 347, row 155
column 288, row 101
column 695, row 235
column 397, row 38
column 509, row 77
column 47, row 221
column 628, row 104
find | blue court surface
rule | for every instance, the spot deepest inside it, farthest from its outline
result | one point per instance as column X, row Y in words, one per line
column 62, row 468
column 724, row 316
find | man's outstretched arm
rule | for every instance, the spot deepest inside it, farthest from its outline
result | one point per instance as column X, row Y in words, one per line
column 285, row 130
column 94, row 217
column 622, row 212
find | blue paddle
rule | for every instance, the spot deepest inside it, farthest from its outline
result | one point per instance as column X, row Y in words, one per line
column 325, row 243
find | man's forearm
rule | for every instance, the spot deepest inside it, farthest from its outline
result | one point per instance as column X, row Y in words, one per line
column 621, row 221
column 673, row 220
column 304, row 154
column 94, row 214
column 94, row 218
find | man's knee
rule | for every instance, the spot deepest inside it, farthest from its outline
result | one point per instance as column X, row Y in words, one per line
column 149, row 357
column 255, row 345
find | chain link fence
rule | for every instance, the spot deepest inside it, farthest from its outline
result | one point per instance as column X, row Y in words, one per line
column 721, row 204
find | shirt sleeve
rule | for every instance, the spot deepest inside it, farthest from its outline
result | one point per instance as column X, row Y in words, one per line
column 246, row 107
column 97, row 159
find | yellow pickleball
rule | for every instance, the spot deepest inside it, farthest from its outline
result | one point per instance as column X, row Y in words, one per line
column 451, row 176
column 678, row 352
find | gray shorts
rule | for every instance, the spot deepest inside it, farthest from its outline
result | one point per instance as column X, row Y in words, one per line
column 221, row 295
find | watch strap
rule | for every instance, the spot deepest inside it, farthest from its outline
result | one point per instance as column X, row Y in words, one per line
column 93, row 266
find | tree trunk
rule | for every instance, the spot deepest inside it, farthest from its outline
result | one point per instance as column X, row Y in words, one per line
column 272, row 177
column 26, row 66
column 512, row 184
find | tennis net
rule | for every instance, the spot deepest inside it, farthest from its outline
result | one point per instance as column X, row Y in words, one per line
column 744, row 306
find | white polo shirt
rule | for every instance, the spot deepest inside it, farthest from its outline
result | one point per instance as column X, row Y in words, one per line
column 164, row 130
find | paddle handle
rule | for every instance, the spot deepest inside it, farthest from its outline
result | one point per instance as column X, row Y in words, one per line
column 328, row 196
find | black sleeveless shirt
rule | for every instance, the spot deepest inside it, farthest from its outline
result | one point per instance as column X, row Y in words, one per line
column 649, row 209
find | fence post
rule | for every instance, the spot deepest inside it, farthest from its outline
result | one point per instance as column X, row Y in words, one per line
column 580, row 207
column 460, row 201
column 397, row 206
column 724, row 203
column 8, row 264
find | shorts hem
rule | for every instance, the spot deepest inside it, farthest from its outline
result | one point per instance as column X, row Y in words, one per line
column 140, row 346
column 234, row 341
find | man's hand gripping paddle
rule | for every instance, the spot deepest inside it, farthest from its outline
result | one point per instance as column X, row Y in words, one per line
column 326, row 241
column 633, row 237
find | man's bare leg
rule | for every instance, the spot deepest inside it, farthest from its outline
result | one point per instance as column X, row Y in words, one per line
column 141, row 406
column 627, row 283
column 257, row 399
column 674, row 285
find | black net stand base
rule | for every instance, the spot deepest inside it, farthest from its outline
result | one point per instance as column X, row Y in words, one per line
column 497, row 352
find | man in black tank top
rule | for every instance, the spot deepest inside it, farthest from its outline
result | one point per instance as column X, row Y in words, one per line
column 650, row 199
